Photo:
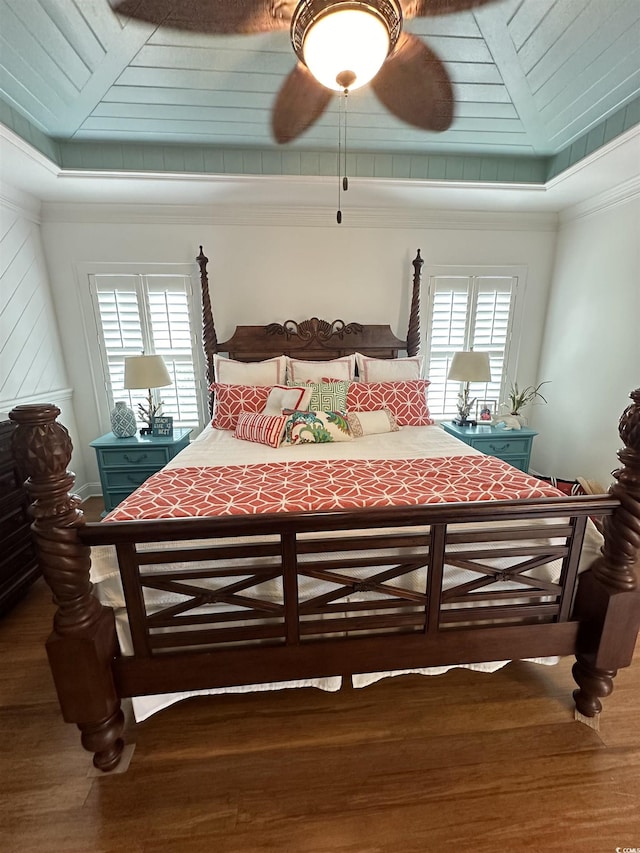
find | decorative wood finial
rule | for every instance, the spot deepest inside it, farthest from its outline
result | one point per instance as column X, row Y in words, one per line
column 413, row 333
column 209, row 338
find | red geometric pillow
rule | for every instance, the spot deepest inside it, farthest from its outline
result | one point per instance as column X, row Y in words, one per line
column 263, row 429
column 230, row 401
column 407, row 400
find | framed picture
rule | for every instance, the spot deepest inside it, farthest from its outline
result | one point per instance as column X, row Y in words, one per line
column 162, row 427
column 485, row 411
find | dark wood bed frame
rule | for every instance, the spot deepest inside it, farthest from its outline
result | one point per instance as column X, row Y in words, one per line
column 594, row 615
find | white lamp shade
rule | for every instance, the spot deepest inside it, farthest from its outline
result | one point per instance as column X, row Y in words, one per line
column 470, row 367
column 346, row 40
column 145, row 371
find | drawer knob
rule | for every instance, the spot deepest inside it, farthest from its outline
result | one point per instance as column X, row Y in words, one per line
column 500, row 449
column 135, row 461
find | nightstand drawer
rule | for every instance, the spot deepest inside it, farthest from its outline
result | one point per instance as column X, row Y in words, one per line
column 499, row 446
column 521, row 462
column 124, row 478
column 125, row 463
column 146, row 457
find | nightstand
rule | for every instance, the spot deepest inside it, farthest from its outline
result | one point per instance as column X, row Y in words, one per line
column 125, row 463
column 512, row 446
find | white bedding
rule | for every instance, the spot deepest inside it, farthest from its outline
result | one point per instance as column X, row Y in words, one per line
column 216, row 447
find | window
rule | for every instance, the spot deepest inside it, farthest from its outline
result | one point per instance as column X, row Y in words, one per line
column 469, row 311
column 150, row 313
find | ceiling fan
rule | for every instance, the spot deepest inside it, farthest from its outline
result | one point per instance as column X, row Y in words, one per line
column 341, row 45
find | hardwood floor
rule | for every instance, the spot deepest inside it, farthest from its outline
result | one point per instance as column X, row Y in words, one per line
column 464, row 761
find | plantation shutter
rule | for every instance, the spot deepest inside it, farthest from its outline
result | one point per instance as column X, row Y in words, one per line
column 172, row 339
column 151, row 314
column 467, row 312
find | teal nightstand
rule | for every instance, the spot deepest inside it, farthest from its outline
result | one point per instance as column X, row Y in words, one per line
column 512, row 446
column 125, row 463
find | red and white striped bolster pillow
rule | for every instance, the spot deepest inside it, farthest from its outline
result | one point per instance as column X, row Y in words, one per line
column 263, row 429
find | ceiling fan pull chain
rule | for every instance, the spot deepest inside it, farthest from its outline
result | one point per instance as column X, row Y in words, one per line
column 345, row 179
column 339, row 213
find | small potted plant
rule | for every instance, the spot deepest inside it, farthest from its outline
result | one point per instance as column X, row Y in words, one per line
column 518, row 398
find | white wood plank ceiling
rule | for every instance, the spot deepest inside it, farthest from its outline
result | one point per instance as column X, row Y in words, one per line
column 530, row 77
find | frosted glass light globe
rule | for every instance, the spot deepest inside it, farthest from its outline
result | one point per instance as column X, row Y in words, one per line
column 347, row 40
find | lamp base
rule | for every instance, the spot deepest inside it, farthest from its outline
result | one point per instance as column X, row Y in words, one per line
column 464, row 422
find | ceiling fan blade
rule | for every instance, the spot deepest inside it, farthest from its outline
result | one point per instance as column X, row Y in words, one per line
column 413, row 84
column 429, row 8
column 209, row 16
column 300, row 102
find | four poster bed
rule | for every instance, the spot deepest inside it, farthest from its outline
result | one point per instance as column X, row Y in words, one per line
column 399, row 549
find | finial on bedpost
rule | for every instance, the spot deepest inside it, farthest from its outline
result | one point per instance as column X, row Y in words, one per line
column 209, row 338
column 83, row 643
column 413, row 333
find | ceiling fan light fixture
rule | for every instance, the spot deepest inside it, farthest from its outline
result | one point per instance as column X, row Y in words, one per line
column 344, row 44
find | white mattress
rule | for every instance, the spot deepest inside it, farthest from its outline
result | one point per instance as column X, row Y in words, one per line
column 215, row 447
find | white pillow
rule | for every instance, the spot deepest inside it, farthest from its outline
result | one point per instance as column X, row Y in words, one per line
column 272, row 371
column 372, row 423
column 343, row 368
column 286, row 397
column 388, row 369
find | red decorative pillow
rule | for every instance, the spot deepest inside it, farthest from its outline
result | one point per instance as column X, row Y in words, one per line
column 407, row 400
column 264, row 429
column 230, row 401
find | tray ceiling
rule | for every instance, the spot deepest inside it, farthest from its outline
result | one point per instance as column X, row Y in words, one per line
column 536, row 80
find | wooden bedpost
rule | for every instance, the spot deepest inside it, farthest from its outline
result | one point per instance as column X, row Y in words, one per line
column 608, row 599
column 83, row 643
column 413, row 332
column 209, row 339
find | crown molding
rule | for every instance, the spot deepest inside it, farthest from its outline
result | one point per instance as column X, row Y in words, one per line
column 300, row 216
column 623, row 193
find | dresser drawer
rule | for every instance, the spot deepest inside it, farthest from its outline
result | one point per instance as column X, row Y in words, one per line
column 125, row 478
column 14, row 516
column 502, row 447
column 18, row 555
column 9, row 480
column 145, row 457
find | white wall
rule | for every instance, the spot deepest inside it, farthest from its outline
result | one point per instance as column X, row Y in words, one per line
column 270, row 266
column 591, row 347
column 32, row 368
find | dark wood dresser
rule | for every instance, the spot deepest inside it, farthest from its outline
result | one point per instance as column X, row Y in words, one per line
column 18, row 562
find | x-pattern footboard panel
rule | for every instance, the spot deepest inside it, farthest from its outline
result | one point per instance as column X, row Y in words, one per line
column 298, row 587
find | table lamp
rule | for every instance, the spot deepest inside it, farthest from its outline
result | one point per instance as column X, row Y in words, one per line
column 468, row 366
column 146, row 371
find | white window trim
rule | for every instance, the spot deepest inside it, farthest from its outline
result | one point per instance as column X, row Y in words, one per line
column 93, row 335
column 512, row 348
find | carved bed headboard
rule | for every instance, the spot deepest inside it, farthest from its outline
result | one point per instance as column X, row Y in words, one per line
column 313, row 339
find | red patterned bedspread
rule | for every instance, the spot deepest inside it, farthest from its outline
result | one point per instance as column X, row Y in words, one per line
column 320, row 485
